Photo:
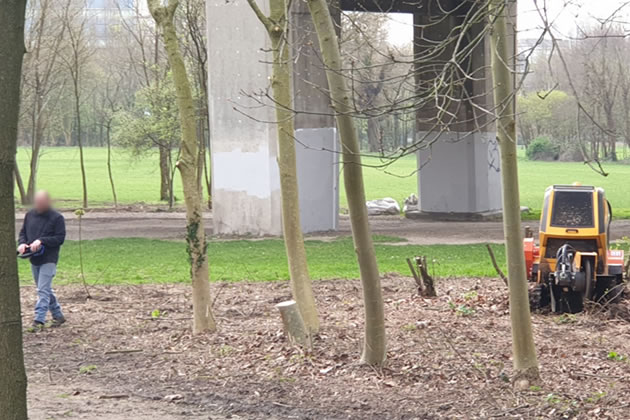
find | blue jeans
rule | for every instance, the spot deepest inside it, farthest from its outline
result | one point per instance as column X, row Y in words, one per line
column 46, row 299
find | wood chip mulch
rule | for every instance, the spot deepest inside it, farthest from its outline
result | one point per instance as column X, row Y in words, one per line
column 449, row 357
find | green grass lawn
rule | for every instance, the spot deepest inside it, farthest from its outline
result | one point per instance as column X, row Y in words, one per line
column 136, row 261
column 137, row 180
column 399, row 180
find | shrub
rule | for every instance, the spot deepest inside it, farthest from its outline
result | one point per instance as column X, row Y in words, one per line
column 542, row 149
column 571, row 154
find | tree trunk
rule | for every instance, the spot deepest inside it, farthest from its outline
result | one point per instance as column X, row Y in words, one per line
column 171, row 181
column 80, row 142
column 187, row 165
column 374, row 346
column 109, row 163
column 626, row 114
column 75, row 65
column 12, row 372
column 36, row 143
column 524, row 351
column 277, row 28
column 292, row 323
column 373, row 134
column 208, row 172
column 20, row 184
column 67, row 131
column 396, row 138
column 610, row 126
column 201, row 158
column 100, row 135
column 165, row 173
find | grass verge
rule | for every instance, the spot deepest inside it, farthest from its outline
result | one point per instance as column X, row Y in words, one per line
column 140, row 261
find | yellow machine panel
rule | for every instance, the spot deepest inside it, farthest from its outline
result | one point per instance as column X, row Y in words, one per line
column 572, row 261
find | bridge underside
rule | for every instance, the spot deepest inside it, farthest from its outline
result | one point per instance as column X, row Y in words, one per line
column 458, row 165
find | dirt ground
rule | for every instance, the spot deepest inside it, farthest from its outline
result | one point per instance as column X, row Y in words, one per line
column 129, row 354
column 171, row 225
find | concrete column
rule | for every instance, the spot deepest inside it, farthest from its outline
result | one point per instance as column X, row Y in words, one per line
column 246, row 187
column 460, row 176
column 318, row 178
column 315, row 132
column 459, row 170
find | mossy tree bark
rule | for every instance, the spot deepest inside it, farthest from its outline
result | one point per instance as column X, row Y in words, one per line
column 12, row 373
column 187, row 165
column 374, row 346
column 277, row 27
column 165, row 172
column 524, row 351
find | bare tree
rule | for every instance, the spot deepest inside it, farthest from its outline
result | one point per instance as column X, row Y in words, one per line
column 75, row 59
column 108, row 107
column 145, row 57
column 602, row 88
column 193, row 23
column 524, row 351
column 277, row 28
column 374, row 346
column 368, row 62
column 41, row 81
column 188, row 168
column 12, row 372
column 586, row 67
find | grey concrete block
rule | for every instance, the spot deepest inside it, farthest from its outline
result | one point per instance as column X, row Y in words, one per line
column 317, row 157
column 459, row 173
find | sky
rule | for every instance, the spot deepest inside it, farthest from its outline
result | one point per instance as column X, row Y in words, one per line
column 567, row 17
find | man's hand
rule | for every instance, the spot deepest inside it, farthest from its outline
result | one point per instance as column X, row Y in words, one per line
column 22, row 248
column 35, row 246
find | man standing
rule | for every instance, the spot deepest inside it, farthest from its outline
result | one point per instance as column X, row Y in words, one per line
column 42, row 234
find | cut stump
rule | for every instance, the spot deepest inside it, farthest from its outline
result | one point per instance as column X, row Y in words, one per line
column 293, row 324
column 424, row 281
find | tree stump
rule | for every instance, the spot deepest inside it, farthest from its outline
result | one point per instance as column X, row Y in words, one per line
column 293, row 324
column 427, row 280
column 424, row 281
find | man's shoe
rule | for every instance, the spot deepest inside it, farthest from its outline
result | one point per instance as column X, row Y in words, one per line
column 57, row 322
column 36, row 326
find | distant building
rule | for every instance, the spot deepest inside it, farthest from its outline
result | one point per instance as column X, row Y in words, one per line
column 528, row 48
column 106, row 16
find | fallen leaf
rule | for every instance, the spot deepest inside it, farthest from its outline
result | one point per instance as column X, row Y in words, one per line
column 174, row 397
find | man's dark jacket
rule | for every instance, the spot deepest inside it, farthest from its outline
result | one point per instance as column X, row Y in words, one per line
column 50, row 228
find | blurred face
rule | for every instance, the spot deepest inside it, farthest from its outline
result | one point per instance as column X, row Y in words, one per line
column 42, row 201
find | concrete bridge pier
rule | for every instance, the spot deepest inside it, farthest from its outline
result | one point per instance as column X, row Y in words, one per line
column 246, row 186
column 459, row 171
column 459, row 175
column 459, row 168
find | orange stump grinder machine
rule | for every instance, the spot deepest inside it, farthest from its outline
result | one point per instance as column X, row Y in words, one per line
column 573, row 261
